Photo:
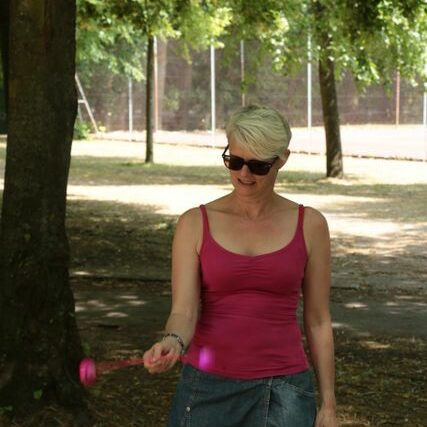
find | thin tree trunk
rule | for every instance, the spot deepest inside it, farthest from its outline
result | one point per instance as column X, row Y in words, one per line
column 40, row 348
column 328, row 93
column 149, row 100
column 334, row 162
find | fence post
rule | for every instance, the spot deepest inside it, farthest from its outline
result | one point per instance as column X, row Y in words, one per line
column 242, row 71
column 309, row 84
column 130, row 109
column 213, row 106
column 425, row 120
column 156, row 88
column 397, row 98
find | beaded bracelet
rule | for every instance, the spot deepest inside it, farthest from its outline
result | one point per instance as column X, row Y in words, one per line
column 178, row 338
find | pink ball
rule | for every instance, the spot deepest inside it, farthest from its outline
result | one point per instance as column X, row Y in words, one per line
column 206, row 358
column 87, row 371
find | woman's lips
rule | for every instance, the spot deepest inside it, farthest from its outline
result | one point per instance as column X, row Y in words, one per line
column 246, row 182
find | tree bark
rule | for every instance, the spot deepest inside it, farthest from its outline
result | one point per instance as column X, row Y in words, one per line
column 4, row 47
column 40, row 348
column 331, row 120
column 328, row 93
column 149, row 100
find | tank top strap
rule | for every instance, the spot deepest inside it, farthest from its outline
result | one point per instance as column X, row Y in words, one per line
column 300, row 218
column 205, row 221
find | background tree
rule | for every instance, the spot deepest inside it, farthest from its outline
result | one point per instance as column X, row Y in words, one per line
column 124, row 25
column 371, row 38
column 127, row 30
column 40, row 347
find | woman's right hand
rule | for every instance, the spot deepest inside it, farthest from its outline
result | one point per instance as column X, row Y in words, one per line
column 162, row 356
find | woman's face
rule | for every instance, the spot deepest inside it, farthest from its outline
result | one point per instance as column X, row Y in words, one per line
column 244, row 181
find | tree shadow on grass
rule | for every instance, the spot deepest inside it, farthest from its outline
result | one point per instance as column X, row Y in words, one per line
column 124, row 240
column 382, row 225
column 389, row 201
column 88, row 170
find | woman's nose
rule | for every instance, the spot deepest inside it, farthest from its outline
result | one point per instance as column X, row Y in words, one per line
column 245, row 171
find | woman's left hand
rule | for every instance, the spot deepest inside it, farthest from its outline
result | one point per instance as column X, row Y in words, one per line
column 326, row 417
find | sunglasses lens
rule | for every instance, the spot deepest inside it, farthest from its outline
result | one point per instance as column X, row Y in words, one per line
column 256, row 167
column 259, row 168
column 233, row 163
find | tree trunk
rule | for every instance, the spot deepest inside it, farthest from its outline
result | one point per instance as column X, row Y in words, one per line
column 331, row 120
column 40, row 348
column 4, row 46
column 328, row 93
column 149, row 100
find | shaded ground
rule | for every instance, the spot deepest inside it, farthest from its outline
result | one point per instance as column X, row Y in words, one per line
column 121, row 217
column 380, row 377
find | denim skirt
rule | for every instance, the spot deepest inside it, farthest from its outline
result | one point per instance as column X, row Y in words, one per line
column 208, row 400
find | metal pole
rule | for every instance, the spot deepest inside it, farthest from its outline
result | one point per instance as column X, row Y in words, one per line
column 213, row 106
column 130, row 108
column 425, row 123
column 397, row 98
column 425, row 109
column 79, row 110
column 156, row 88
column 242, row 71
column 309, row 85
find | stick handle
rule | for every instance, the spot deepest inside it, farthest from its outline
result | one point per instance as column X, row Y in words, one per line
column 112, row 365
column 108, row 366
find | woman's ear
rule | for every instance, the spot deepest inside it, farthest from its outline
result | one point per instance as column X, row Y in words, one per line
column 284, row 158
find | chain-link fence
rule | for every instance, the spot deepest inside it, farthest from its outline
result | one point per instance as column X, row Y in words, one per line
column 183, row 93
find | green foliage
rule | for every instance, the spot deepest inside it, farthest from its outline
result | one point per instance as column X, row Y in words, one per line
column 37, row 394
column 105, row 35
column 354, row 33
column 87, row 349
column 361, row 32
column 5, row 410
column 203, row 23
column 115, row 33
column 81, row 130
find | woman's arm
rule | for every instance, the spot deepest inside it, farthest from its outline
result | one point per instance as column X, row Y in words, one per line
column 317, row 319
column 185, row 293
column 185, row 276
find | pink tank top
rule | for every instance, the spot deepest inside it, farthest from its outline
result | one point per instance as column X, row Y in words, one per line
column 248, row 327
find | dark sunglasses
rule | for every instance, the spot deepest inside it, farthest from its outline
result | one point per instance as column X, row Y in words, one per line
column 257, row 167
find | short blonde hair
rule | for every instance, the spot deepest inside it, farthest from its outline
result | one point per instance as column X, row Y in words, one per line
column 263, row 130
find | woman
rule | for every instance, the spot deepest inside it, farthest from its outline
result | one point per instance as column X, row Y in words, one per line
column 239, row 264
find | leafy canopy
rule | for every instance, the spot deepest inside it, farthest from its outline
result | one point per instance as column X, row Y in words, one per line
column 115, row 32
column 372, row 38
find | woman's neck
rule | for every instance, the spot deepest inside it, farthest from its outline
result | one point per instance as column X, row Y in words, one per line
column 253, row 208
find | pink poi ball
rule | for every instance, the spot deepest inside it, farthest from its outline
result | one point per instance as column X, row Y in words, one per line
column 206, row 358
column 87, row 371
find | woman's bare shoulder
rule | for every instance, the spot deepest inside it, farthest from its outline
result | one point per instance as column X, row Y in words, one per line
column 189, row 228
column 191, row 217
column 315, row 227
column 314, row 218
